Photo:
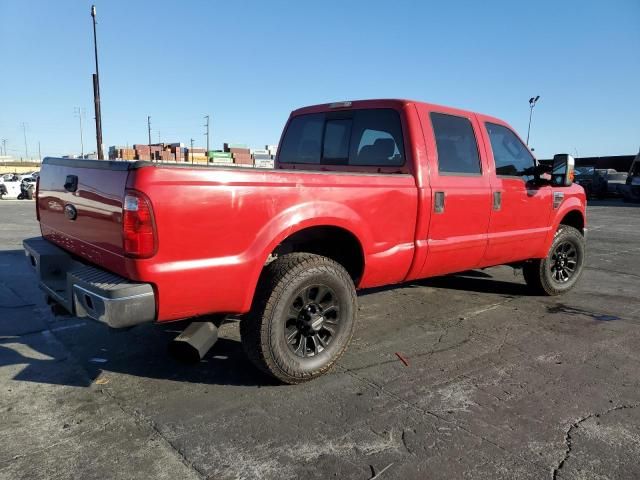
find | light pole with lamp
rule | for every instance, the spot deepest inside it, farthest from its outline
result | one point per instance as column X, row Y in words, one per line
column 532, row 103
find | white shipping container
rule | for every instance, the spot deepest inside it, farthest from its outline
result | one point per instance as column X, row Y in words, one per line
column 264, row 163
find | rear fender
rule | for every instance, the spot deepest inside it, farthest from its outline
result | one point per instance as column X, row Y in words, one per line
column 295, row 219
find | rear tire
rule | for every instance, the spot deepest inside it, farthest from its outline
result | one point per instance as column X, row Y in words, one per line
column 560, row 270
column 302, row 318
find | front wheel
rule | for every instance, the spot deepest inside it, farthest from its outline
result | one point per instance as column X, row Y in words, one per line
column 302, row 318
column 561, row 269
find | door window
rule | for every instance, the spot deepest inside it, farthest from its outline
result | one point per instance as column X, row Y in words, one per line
column 510, row 155
column 456, row 144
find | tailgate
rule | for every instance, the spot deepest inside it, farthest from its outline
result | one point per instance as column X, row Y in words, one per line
column 80, row 208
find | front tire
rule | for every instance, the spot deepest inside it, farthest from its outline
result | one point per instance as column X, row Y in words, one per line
column 302, row 318
column 560, row 270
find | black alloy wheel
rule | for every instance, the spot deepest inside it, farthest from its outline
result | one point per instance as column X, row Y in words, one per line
column 313, row 320
column 564, row 262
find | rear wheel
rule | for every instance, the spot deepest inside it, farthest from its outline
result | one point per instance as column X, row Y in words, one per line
column 561, row 269
column 302, row 319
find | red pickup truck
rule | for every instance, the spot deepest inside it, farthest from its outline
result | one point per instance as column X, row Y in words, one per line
column 363, row 193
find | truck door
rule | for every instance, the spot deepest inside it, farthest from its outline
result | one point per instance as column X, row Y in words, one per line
column 461, row 190
column 521, row 209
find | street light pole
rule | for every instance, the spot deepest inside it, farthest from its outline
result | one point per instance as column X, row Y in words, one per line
column 532, row 103
column 96, row 89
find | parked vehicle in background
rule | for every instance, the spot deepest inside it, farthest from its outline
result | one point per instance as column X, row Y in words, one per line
column 11, row 186
column 27, row 188
column 364, row 194
column 595, row 181
column 631, row 190
column 616, row 182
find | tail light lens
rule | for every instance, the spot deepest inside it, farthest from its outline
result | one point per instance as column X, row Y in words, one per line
column 138, row 226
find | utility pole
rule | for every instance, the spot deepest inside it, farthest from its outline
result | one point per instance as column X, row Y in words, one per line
column 4, row 146
column 96, row 89
column 149, row 129
column 532, row 103
column 79, row 112
column 191, row 151
column 206, row 117
column 24, row 132
column 39, row 154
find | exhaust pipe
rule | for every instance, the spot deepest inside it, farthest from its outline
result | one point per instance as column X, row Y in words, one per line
column 194, row 343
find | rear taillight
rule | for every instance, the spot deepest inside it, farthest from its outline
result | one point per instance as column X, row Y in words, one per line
column 37, row 202
column 138, row 226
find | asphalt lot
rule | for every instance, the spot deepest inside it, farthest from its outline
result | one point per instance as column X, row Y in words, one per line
column 499, row 384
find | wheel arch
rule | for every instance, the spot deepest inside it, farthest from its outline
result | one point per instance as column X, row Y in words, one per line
column 573, row 218
column 334, row 242
column 302, row 229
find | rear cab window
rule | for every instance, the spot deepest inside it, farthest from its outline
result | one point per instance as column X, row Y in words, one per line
column 456, row 144
column 349, row 138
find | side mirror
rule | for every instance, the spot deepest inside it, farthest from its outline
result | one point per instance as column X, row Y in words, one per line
column 563, row 170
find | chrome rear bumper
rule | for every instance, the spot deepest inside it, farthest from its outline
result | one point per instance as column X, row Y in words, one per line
column 87, row 291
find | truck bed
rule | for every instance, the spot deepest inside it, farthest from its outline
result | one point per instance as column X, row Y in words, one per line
column 216, row 226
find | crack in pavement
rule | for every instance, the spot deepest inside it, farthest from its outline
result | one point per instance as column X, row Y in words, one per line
column 567, row 436
column 140, row 419
column 432, row 414
column 31, row 453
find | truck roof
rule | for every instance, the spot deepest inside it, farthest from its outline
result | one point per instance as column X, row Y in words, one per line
column 386, row 103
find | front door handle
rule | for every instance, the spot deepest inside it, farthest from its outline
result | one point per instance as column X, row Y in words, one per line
column 438, row 202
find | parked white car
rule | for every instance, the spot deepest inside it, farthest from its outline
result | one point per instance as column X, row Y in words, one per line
column 11, row 187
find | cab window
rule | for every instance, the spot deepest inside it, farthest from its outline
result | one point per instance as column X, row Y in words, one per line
column 456, row 144
column 362, row 137
column 303, row 140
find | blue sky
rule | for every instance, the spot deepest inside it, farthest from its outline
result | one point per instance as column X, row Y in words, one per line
column 248, row 64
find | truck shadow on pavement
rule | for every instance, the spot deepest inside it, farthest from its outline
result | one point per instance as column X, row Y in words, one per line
column 471, row 281
column 37, row 347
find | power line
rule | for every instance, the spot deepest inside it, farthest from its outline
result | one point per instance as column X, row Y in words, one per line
column 96, row 89
column 149, row 129
column 24, row 132
column 79, row 112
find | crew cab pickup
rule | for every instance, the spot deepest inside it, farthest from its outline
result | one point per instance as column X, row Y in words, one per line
column 363, row 194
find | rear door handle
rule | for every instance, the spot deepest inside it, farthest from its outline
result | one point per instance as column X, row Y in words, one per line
column 438, row 202
column 497, row 201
